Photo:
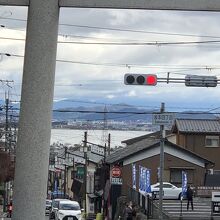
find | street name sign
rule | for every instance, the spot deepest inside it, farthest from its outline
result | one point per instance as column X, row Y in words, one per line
column 162, row 118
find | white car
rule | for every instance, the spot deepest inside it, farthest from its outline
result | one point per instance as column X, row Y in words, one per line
column 68, row 210
column 54, row 207
column 169, row 191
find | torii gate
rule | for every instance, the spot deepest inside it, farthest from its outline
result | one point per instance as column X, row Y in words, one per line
column 38, row 85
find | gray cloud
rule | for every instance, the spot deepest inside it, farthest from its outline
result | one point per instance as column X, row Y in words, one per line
column 106, row 83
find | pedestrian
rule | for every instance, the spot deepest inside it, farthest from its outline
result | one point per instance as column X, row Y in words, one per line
column 189, row 196
column 128, row 212
column 9, row 209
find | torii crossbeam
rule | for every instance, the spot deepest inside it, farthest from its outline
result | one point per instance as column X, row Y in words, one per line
column 32, row 154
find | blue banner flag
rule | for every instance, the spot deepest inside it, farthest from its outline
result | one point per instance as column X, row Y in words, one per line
column 148, row 185
column 140, row 178
column 143, row 179
column 133, row 176
column 55, row 186
column 184, row 183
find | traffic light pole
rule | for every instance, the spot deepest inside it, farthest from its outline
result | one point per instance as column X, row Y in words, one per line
column 162, row 137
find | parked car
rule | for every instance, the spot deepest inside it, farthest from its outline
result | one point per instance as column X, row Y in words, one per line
column 68, row 210
column 169, row 191
column 48, row 206
column 54, row 207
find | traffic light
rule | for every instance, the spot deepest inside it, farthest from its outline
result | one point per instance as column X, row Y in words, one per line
column 201, row 81
column 140, row 79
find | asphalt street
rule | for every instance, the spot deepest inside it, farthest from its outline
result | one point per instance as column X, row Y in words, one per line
column 46, row 218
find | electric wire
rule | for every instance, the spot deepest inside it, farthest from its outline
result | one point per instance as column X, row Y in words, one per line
column 126, row 65
column 122, row 30
column 157, row 43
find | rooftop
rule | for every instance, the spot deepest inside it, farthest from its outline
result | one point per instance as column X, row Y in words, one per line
column 196, row 126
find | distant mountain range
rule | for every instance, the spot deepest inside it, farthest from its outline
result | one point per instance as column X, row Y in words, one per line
column 119, row 113
column 76, row 110
column 112, row 113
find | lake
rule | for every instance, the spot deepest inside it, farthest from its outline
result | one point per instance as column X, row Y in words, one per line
column 70, row 136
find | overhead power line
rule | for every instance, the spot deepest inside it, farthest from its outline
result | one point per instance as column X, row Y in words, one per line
column 123, row 30
column 127, row 112
column 156, row 43
column 162, row 66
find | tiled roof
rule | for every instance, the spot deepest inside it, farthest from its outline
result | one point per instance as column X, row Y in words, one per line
column 197, row 126
column 155, row 135
column 129, row 150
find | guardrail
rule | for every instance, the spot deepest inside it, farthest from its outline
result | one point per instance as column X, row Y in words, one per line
column 206, row 191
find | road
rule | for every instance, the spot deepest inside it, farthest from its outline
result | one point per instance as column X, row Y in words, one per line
column 46, row 218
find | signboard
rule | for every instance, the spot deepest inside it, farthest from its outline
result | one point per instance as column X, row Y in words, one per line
column 78, row 159
column 59, row 167
column 162, row 118
column 60, row 162
column 116, row 175
column 116, row 172
column 51, row 168
column 80, row 171
column 68, row 161
column 98, row 150
column 116, row 181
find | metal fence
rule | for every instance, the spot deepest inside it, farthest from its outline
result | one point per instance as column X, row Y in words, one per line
column 145, row 202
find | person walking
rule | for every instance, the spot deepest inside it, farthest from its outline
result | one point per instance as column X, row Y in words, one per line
column 9, row 214
column 189, row 196
column 128, row 213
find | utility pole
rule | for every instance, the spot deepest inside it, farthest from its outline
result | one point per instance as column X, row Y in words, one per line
column 6, row 122
column 109, row 143
column 64, row 190
column 85, row 169
column 6, row 149
column 105, row 127
column 162, row 137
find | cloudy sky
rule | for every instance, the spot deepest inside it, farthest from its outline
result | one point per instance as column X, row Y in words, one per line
column 94, row 73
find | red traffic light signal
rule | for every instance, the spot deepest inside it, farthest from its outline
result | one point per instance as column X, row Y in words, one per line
column 140, row 79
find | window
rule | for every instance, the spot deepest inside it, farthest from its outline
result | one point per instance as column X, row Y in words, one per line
column 64, row 206
column 176, row 176
column 212, row 141
column 167, row 186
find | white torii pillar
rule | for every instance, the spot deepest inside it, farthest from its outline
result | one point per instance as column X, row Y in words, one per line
column 32, row 153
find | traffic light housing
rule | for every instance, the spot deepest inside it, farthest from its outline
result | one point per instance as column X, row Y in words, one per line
column 140, row 79
column 201, row 81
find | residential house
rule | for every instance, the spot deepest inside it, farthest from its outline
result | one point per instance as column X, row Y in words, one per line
column 200, row 136
column 145, row 151
column 75, row 179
